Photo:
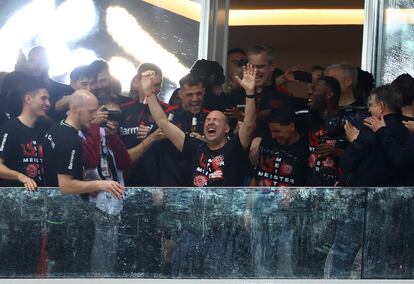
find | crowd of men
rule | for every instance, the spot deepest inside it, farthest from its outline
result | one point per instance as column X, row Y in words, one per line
column 245, row 129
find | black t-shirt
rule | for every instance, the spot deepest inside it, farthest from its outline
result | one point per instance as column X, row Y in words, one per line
column 62, row 153
column 22, row 150
column 282, row 165
column 325, row 171
column 173, row 169
column 144, row 171
column 222, row 167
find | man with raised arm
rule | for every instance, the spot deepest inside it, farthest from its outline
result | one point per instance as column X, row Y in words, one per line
column 217, row 161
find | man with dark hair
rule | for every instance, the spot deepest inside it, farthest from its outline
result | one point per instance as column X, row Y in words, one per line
column 404, row 84
column 138, row 131
column 327, row 137
column 282, row 160
column 81, row 78
column 282, row 163
column 21, row 150
column 189, row 116
column 38, row 66
column 236, row 59
column 21, row 165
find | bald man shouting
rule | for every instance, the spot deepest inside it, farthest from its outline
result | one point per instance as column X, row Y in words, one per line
column 63, row 160
column 217, row 161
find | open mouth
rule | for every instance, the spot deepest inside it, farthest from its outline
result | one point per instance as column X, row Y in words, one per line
column 211, row 130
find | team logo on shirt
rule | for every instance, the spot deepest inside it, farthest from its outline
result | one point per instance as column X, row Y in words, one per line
column 200, row 181
column 210, row 169
column 32, row 170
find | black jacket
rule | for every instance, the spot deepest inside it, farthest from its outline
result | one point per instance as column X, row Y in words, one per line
column 366, row 162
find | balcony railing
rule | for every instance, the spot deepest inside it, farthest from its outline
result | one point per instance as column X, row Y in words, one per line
column 210, row 233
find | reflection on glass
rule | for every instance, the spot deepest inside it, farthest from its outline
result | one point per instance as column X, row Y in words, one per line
column 76, row 32
column 397, row 40
column 193, row 233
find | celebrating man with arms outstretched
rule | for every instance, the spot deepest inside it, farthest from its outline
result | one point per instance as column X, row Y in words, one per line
column 216, row 161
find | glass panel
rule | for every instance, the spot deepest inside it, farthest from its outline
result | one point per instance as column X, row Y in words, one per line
column 184, row 233
column 397, row 42
column 389, row 241
column 126, row 33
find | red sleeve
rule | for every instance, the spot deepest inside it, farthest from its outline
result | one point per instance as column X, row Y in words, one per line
column 90, row 147
column 120, row 152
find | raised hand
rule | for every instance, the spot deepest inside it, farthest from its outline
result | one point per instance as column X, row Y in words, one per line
column 248, row 82
column 147, row 82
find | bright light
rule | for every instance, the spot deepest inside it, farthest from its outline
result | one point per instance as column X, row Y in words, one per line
column 256, row 17
column 21, row 28
column 58, row 55
column 126, row 31
column 123, row 70
column 72, row 20
column 296, row 17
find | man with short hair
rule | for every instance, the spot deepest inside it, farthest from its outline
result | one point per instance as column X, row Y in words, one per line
column 347, row 76
column 21, row 150
column 21, row 165
column 236, row 59
column 189, row 116
column 282, row 163
column 63, row 150
column 64, row 168
column 365, row 163
column 327, row 138
column 38, row 66
column 138, row 131
column 81, row 78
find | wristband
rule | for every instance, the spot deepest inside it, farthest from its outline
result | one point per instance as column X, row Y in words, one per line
column 250, row 96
